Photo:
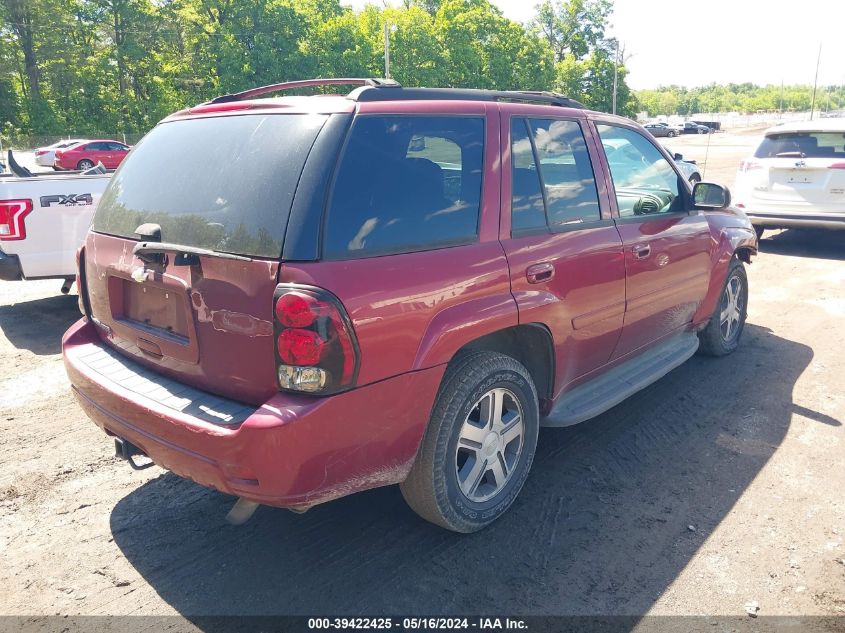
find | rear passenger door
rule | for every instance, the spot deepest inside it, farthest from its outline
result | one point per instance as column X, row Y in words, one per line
column 564, row 252
column 114, row 155
column 667, row 245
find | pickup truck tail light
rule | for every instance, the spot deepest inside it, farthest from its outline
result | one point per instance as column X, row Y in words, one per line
column 13, row 219
column 315, row 345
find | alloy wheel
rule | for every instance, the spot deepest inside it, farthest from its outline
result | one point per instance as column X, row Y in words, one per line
column 489, row 445
column 730, row 315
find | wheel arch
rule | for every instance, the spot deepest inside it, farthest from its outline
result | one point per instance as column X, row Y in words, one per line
column 733, row 242
column 530, row 344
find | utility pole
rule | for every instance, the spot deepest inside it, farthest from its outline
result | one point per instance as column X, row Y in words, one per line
column 816, row 82
column 615, row 75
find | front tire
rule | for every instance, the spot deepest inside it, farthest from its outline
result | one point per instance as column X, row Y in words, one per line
column 722, row 334
column 479, row 444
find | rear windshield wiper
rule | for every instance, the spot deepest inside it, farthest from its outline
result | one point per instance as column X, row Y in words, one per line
column 185, row 255
column 791, row 155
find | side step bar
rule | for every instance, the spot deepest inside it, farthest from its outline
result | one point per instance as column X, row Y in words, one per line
column 609, row 389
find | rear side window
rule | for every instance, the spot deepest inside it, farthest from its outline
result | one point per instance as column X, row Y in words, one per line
column 528, row 211
column 553, row 181
column 571, row 195
column 802, row 145
column 223, row 183
column 405, row 184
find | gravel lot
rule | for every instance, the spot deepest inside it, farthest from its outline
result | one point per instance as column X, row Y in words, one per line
column 718, row 486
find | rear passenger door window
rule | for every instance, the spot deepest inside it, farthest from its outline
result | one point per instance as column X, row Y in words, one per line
column 406, row 184
column 644, row 181
column 552, row 176
column 528, row 209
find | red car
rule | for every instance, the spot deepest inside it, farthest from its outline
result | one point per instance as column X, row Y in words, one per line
column 399, row 285
column 86, row 155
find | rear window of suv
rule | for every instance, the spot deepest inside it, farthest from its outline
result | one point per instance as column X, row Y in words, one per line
column 406, row 184
column 802, row 145
column 222, row 183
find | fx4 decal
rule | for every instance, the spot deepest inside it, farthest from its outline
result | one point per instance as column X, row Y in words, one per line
column 70, row 200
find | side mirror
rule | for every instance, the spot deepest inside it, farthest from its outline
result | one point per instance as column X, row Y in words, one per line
column 678, row 156
column 709, row 195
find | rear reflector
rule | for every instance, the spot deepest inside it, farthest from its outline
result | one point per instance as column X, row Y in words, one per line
column 12, row 219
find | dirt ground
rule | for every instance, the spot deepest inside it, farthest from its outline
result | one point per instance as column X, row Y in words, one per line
column 718, row 486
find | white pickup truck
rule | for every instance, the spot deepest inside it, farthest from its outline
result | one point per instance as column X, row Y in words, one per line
column 43, row 221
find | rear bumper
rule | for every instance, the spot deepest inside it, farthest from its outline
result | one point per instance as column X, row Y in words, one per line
column 292, row 451
column 10, row 267
column 781, row 220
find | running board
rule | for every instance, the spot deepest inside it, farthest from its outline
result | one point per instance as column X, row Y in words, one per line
column 609, row 389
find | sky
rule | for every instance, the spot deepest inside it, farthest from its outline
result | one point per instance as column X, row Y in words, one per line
column 698, row 43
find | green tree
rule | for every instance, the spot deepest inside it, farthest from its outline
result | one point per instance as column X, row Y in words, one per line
column 573, row 27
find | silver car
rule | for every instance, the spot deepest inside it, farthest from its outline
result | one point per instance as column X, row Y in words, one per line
column 661, row 129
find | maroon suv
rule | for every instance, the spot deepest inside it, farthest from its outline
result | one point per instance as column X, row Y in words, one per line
column 399, row 285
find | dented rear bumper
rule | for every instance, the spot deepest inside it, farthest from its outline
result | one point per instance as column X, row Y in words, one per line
column 292, row 451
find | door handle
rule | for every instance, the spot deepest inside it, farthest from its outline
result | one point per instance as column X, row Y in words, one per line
column 538, row 273
column 641, row 251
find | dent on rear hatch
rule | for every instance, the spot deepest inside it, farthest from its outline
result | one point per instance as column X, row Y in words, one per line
column 229, row 321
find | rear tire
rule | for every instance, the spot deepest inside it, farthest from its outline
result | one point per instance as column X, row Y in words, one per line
column 84, row 164
column 672, row 134
column 479, row 444
column 722, row 334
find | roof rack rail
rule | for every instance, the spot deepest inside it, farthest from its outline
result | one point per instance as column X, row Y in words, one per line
column 305, row 83
column 469, row 94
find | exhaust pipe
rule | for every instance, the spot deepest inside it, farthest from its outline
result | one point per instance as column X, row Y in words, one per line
column 242, row 511
column 67, row 285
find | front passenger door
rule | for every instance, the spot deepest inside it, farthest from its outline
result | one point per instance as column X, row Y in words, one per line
column 667, row 247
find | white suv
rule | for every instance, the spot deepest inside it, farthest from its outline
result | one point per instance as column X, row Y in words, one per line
column 796, row 178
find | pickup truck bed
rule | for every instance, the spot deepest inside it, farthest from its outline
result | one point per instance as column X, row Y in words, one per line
column 53, row 213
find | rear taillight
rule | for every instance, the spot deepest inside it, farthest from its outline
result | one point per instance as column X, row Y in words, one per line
column 12, row 219
column 748, row 165
column 316, row 350
column 837, row 166
column 41, row 152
